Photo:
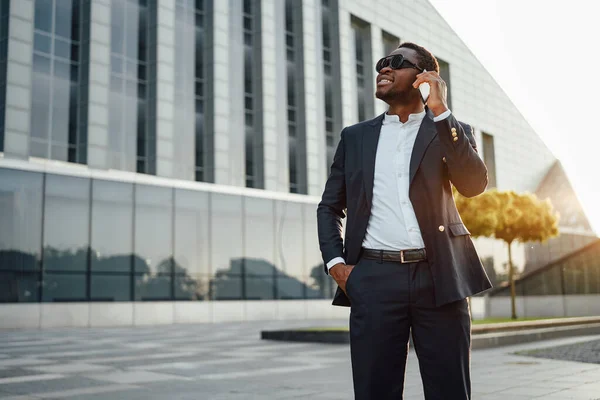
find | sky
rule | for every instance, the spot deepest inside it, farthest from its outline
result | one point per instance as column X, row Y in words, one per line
column 545, row 55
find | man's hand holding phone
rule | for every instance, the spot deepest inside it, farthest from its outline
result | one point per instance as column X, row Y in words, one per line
column 340, row 273
column 436, row 99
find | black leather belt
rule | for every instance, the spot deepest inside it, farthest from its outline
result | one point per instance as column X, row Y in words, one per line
column 402, row 256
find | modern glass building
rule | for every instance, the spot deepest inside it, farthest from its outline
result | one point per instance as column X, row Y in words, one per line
column 161, row 160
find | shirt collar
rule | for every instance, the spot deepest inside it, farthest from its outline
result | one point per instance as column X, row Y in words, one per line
column 390, row 119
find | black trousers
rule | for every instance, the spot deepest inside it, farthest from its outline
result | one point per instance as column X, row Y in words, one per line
column 388, row 300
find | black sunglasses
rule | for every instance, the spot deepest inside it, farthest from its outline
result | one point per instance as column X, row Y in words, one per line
column 395, row 62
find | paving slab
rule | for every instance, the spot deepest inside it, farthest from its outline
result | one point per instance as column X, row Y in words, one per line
column 230, row 361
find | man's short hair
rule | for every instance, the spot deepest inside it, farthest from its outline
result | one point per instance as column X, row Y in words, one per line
column 424, row 57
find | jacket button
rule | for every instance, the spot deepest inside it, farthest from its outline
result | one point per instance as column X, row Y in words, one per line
column 441, row 228
column 444, row 159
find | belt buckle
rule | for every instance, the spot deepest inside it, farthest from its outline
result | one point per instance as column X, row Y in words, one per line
column 402, row 256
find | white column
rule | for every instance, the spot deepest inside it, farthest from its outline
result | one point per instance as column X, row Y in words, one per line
column 348, row 70
column 18, row 79
column 274, row 96
column 228, row 115
column 99, row 83
column 183, row 40
column 314, row 97
column 165, row 88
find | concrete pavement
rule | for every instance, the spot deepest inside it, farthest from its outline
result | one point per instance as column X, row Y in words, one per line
column 229, row 361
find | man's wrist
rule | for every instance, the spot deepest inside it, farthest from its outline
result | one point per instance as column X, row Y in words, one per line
column 333, row 270
column 335, row 261
column 438, row 110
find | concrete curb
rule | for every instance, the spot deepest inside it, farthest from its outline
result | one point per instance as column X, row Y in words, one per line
column 489, row 340
column 478, row 340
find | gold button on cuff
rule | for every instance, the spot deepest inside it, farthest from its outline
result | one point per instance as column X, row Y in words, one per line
column 441, row 228
column 454, row 134
column 453, row 130
column 456, row 139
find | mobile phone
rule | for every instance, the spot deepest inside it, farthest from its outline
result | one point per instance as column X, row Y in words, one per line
column 424, row 88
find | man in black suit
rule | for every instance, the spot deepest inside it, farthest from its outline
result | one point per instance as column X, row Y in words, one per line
column 408, row 262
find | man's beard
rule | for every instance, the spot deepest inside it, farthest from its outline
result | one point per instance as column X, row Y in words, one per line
column 396, row 96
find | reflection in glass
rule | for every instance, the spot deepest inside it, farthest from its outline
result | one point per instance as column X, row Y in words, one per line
column 191, row 287
column 20, row 220
column 152, row 287
column 226, row 231
column 112, row 226
column 17, row 287
column 153, row 229
column 320, row 287
column 226, row 287
column 290, row 288
column 113, row 287
column 191, row 232
column 64, row 287
column 259, row 232
column 66, row 223
column 260, row 288
column 289, row 238
column 312, row 253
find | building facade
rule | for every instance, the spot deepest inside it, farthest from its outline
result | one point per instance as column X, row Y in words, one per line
column 158, row 157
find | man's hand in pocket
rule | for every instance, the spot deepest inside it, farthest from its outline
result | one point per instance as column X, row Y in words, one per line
column 340, row 273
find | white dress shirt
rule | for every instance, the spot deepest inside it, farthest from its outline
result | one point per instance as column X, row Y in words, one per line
column 393, row 224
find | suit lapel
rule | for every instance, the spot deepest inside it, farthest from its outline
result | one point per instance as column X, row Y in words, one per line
column 370, row 139
column 426, row 133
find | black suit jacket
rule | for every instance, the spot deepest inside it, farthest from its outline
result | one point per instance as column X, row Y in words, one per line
column 436, row 161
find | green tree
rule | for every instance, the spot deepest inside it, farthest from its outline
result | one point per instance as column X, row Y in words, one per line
column 511, row 217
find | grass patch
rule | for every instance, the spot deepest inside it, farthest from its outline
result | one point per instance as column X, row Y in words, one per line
column 504, row 320
column 476, row 322
column 325, row 329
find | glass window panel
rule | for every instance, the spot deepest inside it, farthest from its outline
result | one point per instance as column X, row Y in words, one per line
column 226, row 232
column 20, row 219
column 116, row 64
column 152, row 287
column 312, row 253
column 191, row 287
column 59, row 152
column 319, row 286
column 260, row 288
column 43, row 15
column 62, row 70
column 112, row 226
column 191, row 232
column 132, row 32
column 110, row 287
column 41, row 64
column 17, row 287
column 131, row 87
column 62, row 48
column 63, row 13
column 153, row 229
column 226, row 287
column 259, row 236
column 64, row 287
column 42, row 43
column 132, row 69
column 40, row 120
column 289, row 238
column 290, row 288
column 66, row 223
column 38, row 149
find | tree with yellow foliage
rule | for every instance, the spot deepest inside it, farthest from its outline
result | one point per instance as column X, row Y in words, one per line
column 511, row 217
